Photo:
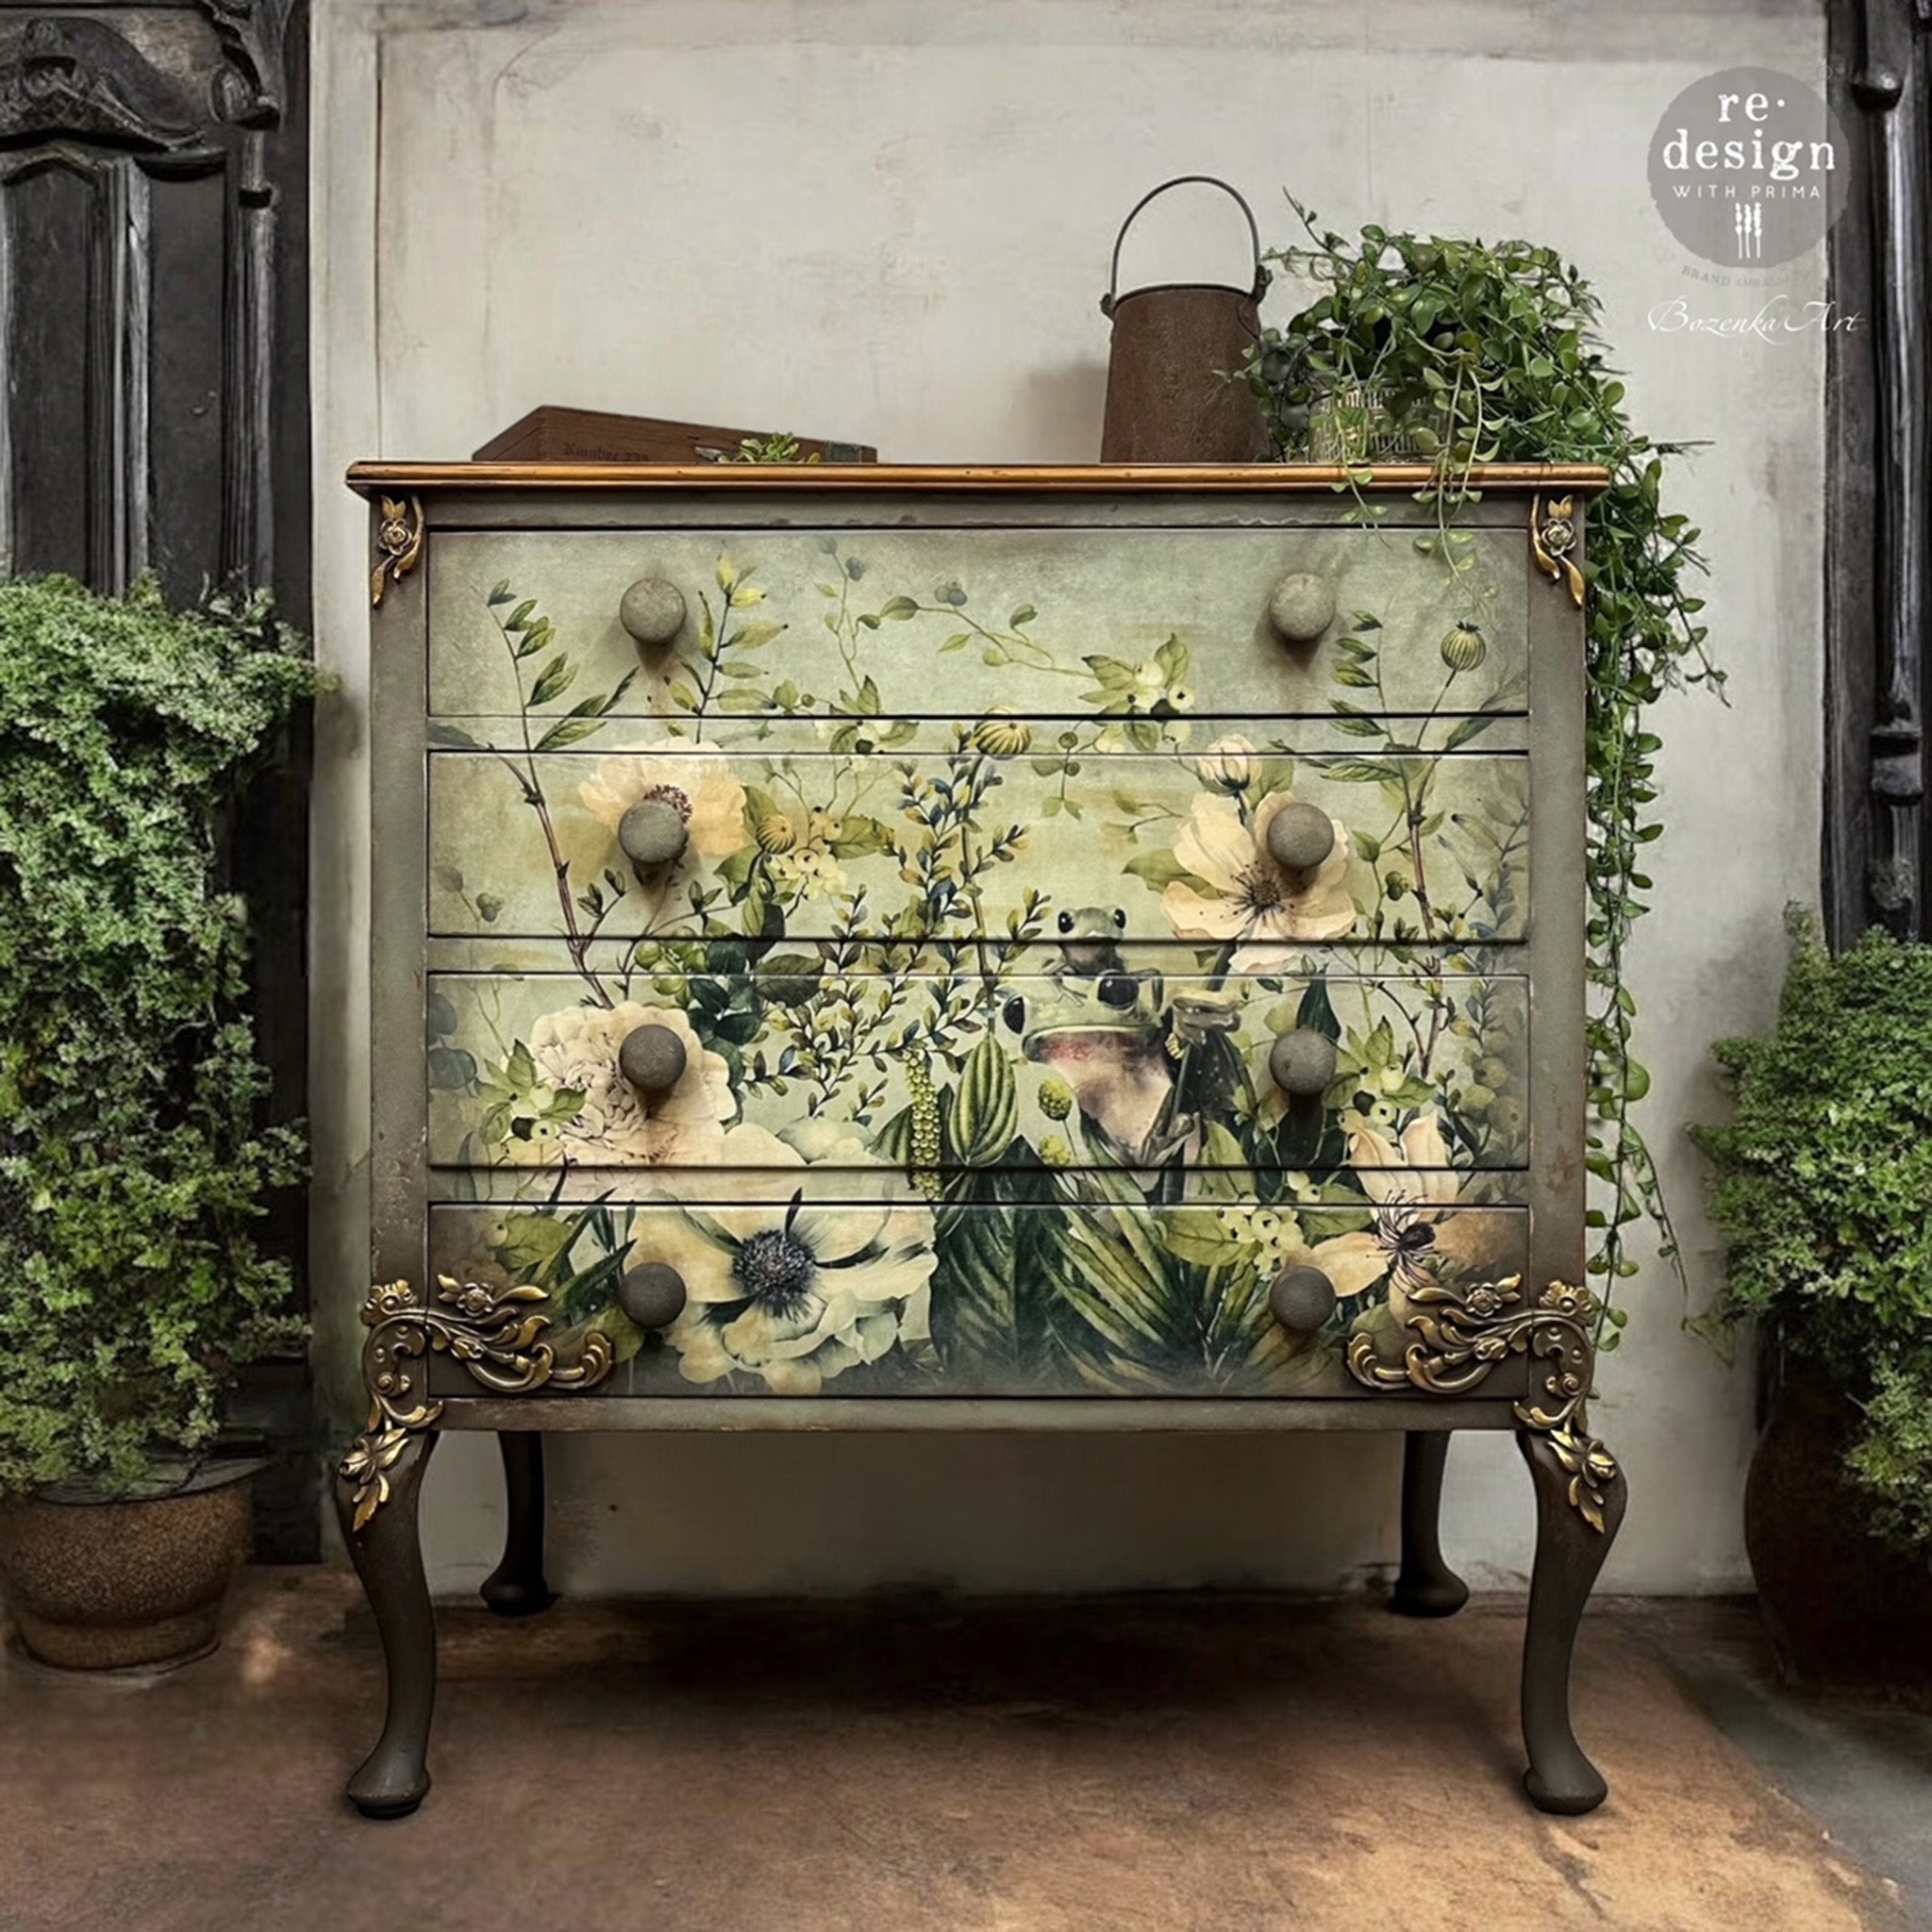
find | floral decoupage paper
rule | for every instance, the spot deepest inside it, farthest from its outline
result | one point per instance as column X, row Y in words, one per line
column 976, row 999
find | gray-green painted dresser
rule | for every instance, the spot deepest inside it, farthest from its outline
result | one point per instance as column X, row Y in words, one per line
column 889, row 949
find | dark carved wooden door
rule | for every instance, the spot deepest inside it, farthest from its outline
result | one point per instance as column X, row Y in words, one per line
column 1878, row 544
column 153, row 417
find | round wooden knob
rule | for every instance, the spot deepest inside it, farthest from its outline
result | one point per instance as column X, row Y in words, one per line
column 652, row 1058
column 652, row 611
column 1302, row 1299
column 1303, row 1062
column 1300, row 837
column 1301, row 607
column 651, row 1295
column 652, row 832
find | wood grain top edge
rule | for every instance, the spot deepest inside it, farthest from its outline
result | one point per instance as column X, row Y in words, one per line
column 369, row 478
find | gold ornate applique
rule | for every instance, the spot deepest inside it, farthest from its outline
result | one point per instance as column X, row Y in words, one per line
column 1553, row 543
column 1592, row 1469
column 497, row 1334
column 1462, row 1332
column 399, row 544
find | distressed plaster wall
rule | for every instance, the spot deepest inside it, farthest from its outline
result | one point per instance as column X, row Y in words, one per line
column 888, row 221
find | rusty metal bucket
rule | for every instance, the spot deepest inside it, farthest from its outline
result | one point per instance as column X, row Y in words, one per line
column 1171, row 392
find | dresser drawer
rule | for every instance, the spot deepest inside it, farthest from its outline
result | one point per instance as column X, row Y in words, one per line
column 1107, row 1059
column 1062, row 1284
column 923, row 622
column 1001, row 844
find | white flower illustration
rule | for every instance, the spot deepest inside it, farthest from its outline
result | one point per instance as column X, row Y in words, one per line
column 1414, row 1237
column 697, row 781
column 577, row 1048
column 783, row 1288
column 1227, row 764
column 1247, row 897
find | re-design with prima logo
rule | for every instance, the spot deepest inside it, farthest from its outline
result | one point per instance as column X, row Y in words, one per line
column 1749, row 168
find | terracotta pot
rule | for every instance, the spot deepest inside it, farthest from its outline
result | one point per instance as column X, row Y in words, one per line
column 1842, row 1610
column 99, row 1586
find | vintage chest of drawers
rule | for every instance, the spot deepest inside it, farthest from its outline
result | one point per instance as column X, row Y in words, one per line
column 1062, row 949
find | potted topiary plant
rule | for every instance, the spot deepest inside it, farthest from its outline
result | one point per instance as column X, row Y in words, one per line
column 1821, row 1187
column 133, row 1166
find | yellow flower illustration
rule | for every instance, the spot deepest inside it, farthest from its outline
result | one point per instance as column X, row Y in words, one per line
column 1415, row 1236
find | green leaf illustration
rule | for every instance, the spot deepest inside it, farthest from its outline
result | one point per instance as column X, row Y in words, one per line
column 554, row 679
column 986, row 1105
column 1196, row 1234
column 1357, row 771
column 451, row 1069
column 1315, row 1011
column 568, row 731
column 989, row 1315
column 1158, row 869
column 1464, row 729
column 860, row 837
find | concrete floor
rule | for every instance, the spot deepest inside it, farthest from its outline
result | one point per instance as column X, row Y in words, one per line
column 1864, row 1770
column 1174, row 1764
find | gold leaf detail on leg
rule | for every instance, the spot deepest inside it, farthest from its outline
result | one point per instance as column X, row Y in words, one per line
column 1463, row 1330
column 497, row 1334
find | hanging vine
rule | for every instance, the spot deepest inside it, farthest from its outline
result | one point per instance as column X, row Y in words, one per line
column 1475, row 352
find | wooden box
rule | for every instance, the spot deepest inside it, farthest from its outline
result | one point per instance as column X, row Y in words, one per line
column 551, row 434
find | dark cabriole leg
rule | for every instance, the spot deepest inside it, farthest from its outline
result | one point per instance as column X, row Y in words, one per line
column 516, row 1586
column 1426, row 1587
column 1570, row 1550
column 390, row 1782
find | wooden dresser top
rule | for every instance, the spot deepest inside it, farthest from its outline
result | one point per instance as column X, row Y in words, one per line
column 367, row 477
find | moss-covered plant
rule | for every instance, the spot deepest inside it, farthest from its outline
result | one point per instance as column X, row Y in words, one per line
column 1488, row 352
column 133, row 1169
column 1823, row 1189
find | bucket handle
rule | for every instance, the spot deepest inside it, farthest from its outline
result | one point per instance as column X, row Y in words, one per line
column 1113, row 273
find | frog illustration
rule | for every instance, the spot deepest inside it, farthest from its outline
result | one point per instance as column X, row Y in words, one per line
column 1089, row 939
column 1103, row 1029
column 1144, row 1070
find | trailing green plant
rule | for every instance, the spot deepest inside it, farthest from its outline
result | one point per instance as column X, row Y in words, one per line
column 1489, row 352
column 133, row 1166
column 1822, row 1188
